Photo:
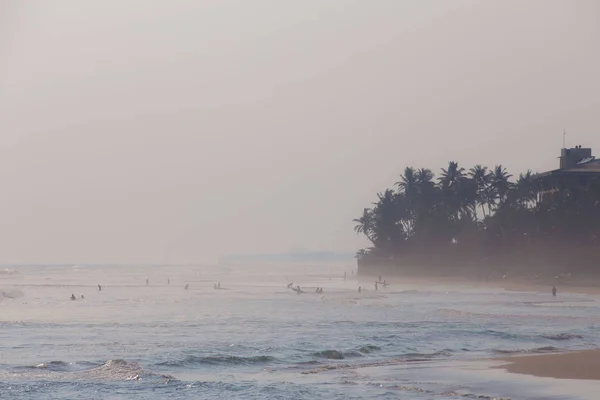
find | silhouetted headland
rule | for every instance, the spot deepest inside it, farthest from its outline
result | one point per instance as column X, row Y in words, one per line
column 483, row 223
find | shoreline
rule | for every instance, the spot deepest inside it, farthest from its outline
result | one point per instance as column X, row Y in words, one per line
column 515, row 284
column 580, row 365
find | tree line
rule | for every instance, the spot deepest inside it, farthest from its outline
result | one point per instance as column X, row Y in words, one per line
column 477, row 210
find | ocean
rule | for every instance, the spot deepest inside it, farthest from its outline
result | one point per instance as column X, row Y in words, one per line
column 256, row 339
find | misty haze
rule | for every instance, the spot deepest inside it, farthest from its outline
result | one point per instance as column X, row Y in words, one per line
column 269, row 199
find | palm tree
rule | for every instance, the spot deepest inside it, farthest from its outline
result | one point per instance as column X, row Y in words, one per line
column 500, row 184
column 388, row 213
column 452, row 184
column 481, row 177
column 452, row 175
column 408, row 181
column 424, row 215
column 364, row 224
column 526, row 192
column 424, row 176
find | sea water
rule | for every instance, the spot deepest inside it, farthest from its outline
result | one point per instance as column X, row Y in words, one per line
column 256, row 339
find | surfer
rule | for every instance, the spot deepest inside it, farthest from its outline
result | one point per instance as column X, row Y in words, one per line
column 72, row 297
column 384, row 283
column 359, row 289
column 554, row 291
column 376, row 286
column 290, row 285
column 146, row 281
column 82, row 295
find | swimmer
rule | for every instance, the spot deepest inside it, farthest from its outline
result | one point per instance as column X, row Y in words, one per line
column 72, row 297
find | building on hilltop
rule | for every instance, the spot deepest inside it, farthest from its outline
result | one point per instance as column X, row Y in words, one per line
column 578, row 168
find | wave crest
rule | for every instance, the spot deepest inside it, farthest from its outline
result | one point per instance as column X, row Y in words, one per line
column 537, row 350
column 562, row 336
column 218, row 360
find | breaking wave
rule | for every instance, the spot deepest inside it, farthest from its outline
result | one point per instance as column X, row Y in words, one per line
column 9, row 271
column 330, row 354
column 60, row 366
column 112, row 370
column 562, row 336
column 340, row 355
column 218, row 360
column 537, row 350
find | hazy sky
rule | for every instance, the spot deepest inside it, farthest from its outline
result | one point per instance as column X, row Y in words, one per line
column 217, row 126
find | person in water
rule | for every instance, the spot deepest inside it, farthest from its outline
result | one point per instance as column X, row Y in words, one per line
column 99, row 288
column 376, row 286
column 72, row 297
column 82, row 296
column 168, row 281
column 146, row 281
column 290, row 285
column 187, row 287
column 359, row 289
column 219, row 285
column 554, row 291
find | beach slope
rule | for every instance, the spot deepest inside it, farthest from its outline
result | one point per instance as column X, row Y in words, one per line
column 575, row 365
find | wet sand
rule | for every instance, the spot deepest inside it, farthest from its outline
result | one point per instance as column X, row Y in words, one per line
column 575, row 365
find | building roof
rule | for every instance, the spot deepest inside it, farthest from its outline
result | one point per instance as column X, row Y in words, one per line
column 586, row 166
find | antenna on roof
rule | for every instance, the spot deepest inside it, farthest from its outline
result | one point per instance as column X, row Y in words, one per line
column 564, row 138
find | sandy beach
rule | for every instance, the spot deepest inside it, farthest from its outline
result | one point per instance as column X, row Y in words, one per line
column 574, row 365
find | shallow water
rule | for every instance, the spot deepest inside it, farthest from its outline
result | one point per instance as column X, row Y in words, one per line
column 256, row 339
